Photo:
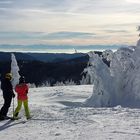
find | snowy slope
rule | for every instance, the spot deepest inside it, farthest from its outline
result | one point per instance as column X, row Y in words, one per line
column 58, row 115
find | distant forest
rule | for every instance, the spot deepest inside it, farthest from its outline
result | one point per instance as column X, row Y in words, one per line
column 39, row 69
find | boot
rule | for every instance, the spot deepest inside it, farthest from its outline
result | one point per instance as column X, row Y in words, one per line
column 2, row 117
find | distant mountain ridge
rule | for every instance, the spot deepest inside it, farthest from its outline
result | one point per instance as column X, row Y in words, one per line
column 55, row 57
column 39, row 47
column 44, row 57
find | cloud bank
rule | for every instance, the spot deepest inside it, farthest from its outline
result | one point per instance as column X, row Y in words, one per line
column 69, row 21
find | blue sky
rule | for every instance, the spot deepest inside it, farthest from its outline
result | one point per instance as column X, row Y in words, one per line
column 69, row 22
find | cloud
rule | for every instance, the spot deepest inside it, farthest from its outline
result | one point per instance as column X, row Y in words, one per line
column 25, row 9
column 53, row 5
column 69, row 35
column 44, row 35
column 72, row 6
column 67, row 19
column 116, row 31
column 20, row 35
column 133, row 1
column 4, row 2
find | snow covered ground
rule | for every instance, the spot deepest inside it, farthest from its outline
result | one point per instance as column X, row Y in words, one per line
column 58, row 115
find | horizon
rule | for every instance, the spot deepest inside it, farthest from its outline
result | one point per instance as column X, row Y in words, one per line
column 69, row 22
column 38, row 48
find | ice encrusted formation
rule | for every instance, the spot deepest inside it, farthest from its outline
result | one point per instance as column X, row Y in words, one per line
column 119, row 83
column 14, row 70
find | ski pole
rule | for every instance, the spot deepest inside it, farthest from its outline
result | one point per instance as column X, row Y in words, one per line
column 13, row 107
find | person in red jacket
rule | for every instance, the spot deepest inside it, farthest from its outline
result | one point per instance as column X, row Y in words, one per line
column 22, row 91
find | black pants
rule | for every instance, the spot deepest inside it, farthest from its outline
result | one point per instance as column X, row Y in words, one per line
column 6, row 105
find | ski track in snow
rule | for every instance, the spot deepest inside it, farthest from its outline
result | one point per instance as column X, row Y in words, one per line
column 58, row 115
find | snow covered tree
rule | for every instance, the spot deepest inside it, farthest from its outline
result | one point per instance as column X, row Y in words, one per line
column 14, row 70
column 70, row 82
column 119, row 83
column 59, row 83
column 85, row 79
column 45, row 84
column 31, row 85
column 101, row 77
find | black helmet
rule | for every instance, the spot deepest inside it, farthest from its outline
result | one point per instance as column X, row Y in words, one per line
column 22, row 79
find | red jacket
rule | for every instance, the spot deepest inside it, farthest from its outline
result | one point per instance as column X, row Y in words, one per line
column 22, row 90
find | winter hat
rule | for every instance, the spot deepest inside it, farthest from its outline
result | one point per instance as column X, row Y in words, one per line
column 22, row 79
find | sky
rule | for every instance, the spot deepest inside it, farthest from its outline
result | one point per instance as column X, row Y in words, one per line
column 69, row 22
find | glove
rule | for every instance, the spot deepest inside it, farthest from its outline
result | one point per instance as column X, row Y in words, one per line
column 13, row 95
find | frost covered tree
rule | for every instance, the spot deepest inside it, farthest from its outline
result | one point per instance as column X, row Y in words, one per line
column 69, row 82
column 14, row 70
column 45, row 84
column 85, row 79
column 101, row 77
column 59, row 83
column 31, row 85
column 118, row 84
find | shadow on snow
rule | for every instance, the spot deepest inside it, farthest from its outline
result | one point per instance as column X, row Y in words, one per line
column 8, row 124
